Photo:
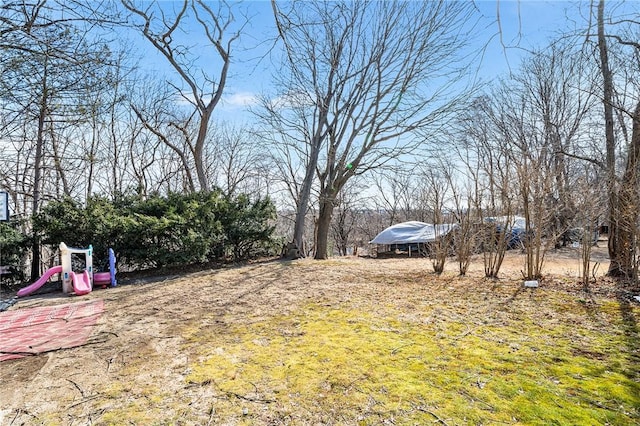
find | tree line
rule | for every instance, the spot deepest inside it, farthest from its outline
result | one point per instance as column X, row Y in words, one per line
column 372, row 107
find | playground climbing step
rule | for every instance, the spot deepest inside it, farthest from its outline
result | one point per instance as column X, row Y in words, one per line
column 32, row 331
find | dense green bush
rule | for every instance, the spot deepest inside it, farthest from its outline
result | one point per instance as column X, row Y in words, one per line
column 157, row 231
column 246, row 232
column 174, row 230
column 77, row 226
column 14, row 245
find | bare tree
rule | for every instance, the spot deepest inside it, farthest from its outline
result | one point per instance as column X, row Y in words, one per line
column 463, row 194
column 47, row 66
column 488, row 164
column 589, row 210
column 438, row 186
column 623, row 193
column 530, row 156
column 560, row 106
column 607, row 98
column 119, row 130
column 236, row 159
column 397, row 194
column 556, row 84
column 538, row 115
column 201, row 86
column 350, row 204
column 364, row 77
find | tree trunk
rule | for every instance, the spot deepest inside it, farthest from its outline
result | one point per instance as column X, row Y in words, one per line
column 198, row 151
column 37, row 181
column 305, row 191
column 324, row 226
column 92, row 154
column 623, row 262
column 607, row 99
column 57, row 163
column 301, row 213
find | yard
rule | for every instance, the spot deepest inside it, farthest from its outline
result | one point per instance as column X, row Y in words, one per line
column 344, row 341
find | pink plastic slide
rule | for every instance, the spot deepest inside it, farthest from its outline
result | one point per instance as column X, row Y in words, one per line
column 81, row 283
column 41, row 281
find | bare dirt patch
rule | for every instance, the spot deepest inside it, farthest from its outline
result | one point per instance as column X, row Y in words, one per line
column 139, row 366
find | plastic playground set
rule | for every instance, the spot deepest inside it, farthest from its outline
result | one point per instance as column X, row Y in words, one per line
column 80, row 282
column 36, row 330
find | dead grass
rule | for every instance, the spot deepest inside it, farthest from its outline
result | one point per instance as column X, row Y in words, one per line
column 344, row 341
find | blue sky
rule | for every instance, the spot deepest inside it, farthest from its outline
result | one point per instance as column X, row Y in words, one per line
column 524, row 24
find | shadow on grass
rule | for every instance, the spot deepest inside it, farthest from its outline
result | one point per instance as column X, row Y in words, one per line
column 630, row 338
column 251, row 276
column 515, row 295
column 632, row 350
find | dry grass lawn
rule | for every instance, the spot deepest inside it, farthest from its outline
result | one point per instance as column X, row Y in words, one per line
column 345, row 341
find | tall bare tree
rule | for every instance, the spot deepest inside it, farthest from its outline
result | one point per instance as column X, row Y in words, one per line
column 607, row 102
column 624, row 201
column 47, row 65
column 364, row 77
column 201, row 84
column 488, row 163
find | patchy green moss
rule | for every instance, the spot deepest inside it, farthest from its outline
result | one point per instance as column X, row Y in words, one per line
column 142, row 407
column 366, row 366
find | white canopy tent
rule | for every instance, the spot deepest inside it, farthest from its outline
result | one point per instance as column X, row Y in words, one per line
column 413, row 232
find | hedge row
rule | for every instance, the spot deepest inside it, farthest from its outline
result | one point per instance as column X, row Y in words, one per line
column 162, row 231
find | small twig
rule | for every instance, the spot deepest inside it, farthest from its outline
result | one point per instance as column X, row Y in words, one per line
column 396, row 350
column 77, row 387
column 424, row 410
column 594, row 270
column 97, row 413
column 466, row 333
column 90, row 398
column 20, row 411
column 109, row 362
column 15, row 417
column 212, row 411
column 475, row 399
column 247, row 398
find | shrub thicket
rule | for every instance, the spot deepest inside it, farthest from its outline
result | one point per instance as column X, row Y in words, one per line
column 14, row 245
column 178, row 229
